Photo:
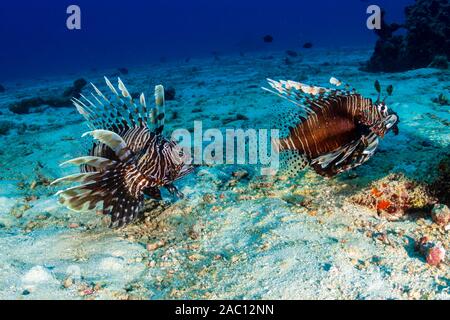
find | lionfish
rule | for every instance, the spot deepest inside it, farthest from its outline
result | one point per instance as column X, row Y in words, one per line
column 331, row 130
column 130, row 157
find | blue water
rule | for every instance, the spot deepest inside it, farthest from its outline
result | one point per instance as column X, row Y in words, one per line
column 36, row 42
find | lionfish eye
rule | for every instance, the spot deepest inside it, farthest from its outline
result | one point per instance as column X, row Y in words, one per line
column 382, row 108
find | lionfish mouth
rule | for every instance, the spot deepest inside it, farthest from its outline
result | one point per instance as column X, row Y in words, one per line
column 388, row 123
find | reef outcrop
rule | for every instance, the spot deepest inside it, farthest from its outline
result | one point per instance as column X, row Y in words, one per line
column 395, row 196
column 425, row 44
column 24, row 106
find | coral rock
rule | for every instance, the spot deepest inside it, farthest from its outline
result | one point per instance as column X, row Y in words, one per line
column 436, row 255
column 426, row 43
column 441, row 214
column 5, row 126
column 433, row 252
column 75, row 90
column 241, row 174
column 394, row 196
column 123, row 71
column 169, row 93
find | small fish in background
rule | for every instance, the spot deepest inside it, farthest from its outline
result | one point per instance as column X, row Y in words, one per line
column 267, row 38
column 123, row 70
column 292, row 53
column 130, row 158
column 307, row 45
column 331, row 130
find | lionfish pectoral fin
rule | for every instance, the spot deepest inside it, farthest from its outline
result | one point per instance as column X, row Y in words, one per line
column 112, row 140
column 77, row 177
column 153, row 192
column 346, row 157
column 174, row 190
column 291, row 162
column 96, row 162
column 118, row 190
column 337, row 156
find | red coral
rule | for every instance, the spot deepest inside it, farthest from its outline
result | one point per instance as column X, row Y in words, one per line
column 377, row 193
column 383, row 204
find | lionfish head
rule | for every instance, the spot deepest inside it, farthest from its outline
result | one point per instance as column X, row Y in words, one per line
column 180, row 159
column 386, row 120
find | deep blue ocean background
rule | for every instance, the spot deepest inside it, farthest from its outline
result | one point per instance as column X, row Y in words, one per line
column 36, row 42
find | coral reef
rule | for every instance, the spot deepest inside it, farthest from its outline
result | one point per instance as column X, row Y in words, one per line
column 291, row 53
column 426, row 43
column 169, row 94
column 75, row 90
column 441, row 186
column 439, row 62
column 394, row 196
column 24, row 106
column 441, row 100
column 123, row 71
column 5, row 126
column 287, row 61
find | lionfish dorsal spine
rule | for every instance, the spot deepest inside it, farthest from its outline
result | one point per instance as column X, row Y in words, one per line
column 160, row 109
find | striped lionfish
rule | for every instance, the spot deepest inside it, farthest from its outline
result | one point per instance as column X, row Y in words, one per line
column 129, row 159
column 331, row 130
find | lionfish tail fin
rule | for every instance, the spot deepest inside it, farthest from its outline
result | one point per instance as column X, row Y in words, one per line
column 291, row 162
column 118, row 191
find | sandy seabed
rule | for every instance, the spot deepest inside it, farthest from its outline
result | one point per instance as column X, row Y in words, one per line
column 232, row 236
